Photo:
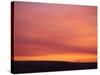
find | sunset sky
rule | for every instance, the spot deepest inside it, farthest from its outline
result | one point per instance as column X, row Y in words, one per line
column 55, row 32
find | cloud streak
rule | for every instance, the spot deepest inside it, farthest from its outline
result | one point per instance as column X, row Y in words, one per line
column 42, row 29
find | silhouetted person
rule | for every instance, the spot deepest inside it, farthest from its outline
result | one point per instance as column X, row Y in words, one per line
column 78, row 60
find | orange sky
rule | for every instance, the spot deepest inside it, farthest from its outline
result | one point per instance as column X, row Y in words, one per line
column 55, row 32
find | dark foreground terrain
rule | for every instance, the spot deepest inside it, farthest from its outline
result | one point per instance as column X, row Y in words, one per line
column 45, row 66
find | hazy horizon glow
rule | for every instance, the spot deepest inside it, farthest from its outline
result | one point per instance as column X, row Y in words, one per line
column 55, row 32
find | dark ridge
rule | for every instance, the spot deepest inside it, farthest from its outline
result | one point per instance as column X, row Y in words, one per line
column 47, row 66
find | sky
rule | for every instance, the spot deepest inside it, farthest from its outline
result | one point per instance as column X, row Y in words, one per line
column 55, row 32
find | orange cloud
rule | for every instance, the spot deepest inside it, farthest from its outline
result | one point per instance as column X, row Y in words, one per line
column 45, row 30
column 73, row 57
